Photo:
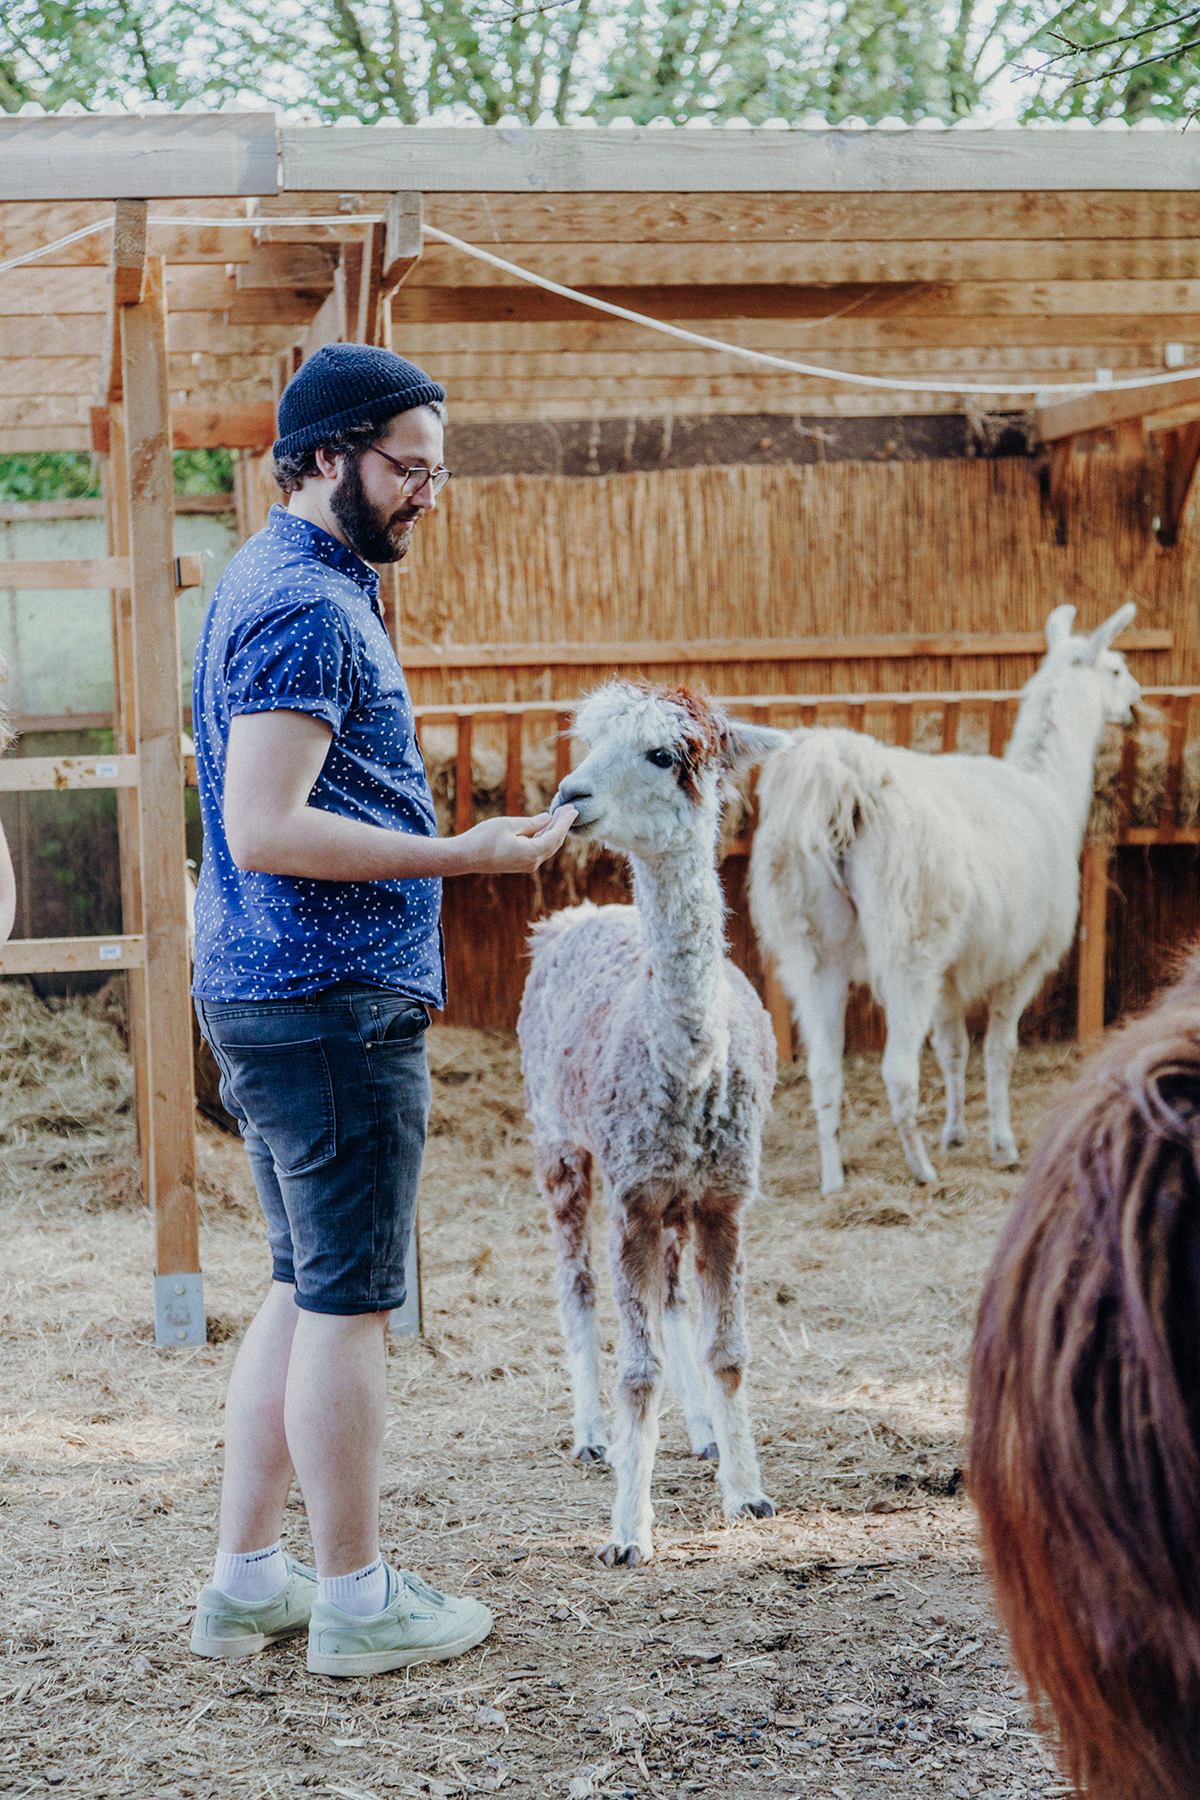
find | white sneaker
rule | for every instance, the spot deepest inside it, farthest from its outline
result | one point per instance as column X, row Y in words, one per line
column 418, row 1624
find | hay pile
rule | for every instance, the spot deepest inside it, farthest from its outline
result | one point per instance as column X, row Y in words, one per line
column 67, row 1131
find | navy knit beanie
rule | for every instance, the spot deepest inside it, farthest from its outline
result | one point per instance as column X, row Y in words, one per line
column 345, row 385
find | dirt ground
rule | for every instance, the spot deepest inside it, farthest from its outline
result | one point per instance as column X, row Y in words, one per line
column 844, row 1648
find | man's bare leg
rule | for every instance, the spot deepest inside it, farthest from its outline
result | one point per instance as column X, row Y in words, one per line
column 258, row 1467
column 335, row 1409
column 308, row 1390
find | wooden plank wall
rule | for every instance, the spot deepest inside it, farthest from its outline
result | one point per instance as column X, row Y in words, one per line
column 849, row 549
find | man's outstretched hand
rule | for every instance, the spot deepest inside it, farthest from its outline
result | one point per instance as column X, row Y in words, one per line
column 510, row 846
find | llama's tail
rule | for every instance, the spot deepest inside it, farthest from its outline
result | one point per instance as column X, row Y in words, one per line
column 820, row 793
column 1085, row 1415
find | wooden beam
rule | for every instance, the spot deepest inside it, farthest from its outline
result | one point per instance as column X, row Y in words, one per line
column 1181, row 452
column 287, row 266
column 126, row 281
column 198, row 427
column 732, row 650
column 1102, row 410
column 92, row 572
column 1093, row 909
column 739, row 219
column 32, row 774
column 813, row 263
column 166, row 155
column 403, row 242
column 149, row 476
column 59, row 956
column 519, row 160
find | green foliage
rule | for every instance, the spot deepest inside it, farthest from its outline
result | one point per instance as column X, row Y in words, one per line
column 581, row 60
column 204, row 471
column 75, row 474
column 49, row 475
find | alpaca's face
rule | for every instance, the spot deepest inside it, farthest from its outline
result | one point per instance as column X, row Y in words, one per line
column 649, row 782
column 1121, row 691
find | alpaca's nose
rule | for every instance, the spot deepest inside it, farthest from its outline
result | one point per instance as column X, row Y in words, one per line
column 570, row 794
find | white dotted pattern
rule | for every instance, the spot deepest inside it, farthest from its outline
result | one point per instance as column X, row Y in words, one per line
column 295, row 626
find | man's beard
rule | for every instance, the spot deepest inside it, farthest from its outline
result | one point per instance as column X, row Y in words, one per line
column 377, row 536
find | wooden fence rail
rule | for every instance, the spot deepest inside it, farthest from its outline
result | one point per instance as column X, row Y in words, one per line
column 890, row 717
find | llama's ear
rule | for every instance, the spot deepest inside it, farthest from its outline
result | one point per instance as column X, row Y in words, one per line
column 1058, row 626
column 750, row 744
column 1103, row 635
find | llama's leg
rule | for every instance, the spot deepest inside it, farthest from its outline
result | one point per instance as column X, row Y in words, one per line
column 638, row 1290
column 683, row 1371
column 952, row 1046
column 818, row 995
column 564, row 1174
column 908, row 1021
column 999, row 1048
column 725, row 1350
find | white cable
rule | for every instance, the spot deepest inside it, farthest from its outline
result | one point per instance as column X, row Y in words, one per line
column 73, row 237
column 898, row 382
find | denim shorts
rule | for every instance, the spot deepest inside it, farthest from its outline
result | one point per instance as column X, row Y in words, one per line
column 331, row 1091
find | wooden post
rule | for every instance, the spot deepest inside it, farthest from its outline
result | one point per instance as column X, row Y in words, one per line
column 779, row 1007
column 178, row 1287
column 125, row 744
column 1093, row 909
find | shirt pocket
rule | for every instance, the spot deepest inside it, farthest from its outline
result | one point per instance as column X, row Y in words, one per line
column 286, row 1093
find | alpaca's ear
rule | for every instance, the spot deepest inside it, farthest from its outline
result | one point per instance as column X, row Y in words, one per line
column 750, row 744
column 1103, row 635
column 1058, row 626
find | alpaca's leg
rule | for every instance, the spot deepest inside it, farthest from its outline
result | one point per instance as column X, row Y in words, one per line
column 999, row 1048
column 909, row 1017
column 638, row 1290
column 564, row 1174
column 725, row 1350
column 952, row 1046
column 683, row 1371
column 818, row 993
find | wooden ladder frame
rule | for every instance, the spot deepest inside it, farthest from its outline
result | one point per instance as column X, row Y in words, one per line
column 144, row 576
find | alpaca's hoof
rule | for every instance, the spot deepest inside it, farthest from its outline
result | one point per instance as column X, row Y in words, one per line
column 761, row 1508
column 623, row 1556
column 953, row 1141
column 710, row 1453
column 592, row 1453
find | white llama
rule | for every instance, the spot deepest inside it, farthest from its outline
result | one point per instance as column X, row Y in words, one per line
column 940, row 880
column 645, row 1051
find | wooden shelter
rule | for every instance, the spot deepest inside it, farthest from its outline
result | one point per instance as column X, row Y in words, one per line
column 807, row 547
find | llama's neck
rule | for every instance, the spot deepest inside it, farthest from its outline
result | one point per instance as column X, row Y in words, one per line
column 682, row 908
column 1056, row 737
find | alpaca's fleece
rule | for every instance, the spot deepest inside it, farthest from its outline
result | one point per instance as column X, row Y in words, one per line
column 592, row 1076
column 940, row 880
column 647, row 1053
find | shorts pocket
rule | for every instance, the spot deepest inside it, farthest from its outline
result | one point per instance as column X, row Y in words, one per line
column 286, row 1094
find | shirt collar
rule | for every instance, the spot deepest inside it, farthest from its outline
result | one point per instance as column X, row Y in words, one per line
column 319, row 543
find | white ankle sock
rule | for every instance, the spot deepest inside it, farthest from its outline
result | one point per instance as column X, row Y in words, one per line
column 250, row 1574
column 360, row 1593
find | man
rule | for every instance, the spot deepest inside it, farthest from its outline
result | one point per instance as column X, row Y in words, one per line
column 318, row 953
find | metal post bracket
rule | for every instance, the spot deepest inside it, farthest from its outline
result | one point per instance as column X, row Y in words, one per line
column 179, row 1310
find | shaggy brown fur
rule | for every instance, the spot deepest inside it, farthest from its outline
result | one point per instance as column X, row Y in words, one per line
column 1085, row 1410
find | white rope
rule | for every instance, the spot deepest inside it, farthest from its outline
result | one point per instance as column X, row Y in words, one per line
column 892, row 383
column 253, row 220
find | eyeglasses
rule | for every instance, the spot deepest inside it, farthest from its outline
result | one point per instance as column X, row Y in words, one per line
column 415, row 479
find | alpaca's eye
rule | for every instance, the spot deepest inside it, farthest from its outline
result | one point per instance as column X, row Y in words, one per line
column 662, row 759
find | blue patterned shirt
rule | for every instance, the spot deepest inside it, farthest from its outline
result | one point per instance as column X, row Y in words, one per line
column 295, row 626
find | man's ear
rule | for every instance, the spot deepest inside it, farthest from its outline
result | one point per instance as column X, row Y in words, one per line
column 327, row 464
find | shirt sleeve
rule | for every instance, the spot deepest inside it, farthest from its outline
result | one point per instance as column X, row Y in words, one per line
column 294, row 656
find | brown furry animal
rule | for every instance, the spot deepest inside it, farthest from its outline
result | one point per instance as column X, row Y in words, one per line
column 1085, row 1414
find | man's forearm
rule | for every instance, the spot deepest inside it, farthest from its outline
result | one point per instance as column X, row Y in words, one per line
column 324, row 846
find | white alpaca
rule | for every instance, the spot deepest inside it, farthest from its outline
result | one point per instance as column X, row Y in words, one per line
column 645, row 1051
column 940, row 880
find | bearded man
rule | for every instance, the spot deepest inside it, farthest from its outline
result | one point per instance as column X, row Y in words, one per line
column 318, row 956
